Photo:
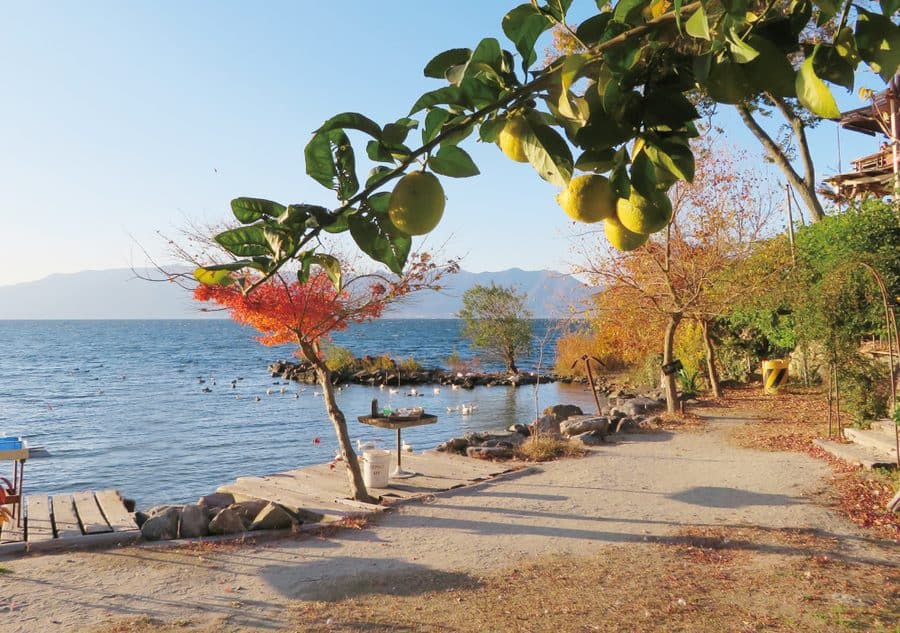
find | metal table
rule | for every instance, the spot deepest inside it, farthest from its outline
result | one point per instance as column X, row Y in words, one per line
column 398, row 423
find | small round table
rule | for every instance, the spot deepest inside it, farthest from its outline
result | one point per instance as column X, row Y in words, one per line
column 398, row 423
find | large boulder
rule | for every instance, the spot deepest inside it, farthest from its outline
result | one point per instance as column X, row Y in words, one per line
column 248, row 510
column 578, row 424
column 272, row 517
column 227, row 521
column 562, row 411
column 194, row 521
column 547, row 425
column 217, row 500
column 162, row 525
column 590, row 438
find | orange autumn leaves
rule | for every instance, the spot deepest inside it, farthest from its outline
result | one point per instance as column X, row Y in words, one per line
column 291, row 312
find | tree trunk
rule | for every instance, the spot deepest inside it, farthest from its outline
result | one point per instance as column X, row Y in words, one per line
column 710, row 360
column 354, row 474
column 805, row 185
column 669, row 380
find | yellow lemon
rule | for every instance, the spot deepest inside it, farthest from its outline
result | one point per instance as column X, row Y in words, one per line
column 588, row 198
column 510, row 139
column 620, row 237
column 417, row 203
column 644, row 215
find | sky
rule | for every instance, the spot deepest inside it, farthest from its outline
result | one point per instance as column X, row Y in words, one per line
column 123, row 120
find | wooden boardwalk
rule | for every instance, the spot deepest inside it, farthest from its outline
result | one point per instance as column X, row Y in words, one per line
column 66, row 520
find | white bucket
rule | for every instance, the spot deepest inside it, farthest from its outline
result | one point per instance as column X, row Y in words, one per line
column 376, row 464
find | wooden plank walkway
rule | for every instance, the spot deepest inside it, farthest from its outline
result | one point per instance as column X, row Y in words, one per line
column 73, row 519
column 318, row 493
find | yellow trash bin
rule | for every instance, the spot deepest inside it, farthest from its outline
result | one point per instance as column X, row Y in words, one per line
column 775, row 374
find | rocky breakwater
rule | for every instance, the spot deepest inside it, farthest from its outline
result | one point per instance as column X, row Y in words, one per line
column 621, row 411
column 213, row 514
column 304, row 373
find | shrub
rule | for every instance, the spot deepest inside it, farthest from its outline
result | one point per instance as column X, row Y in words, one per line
column 572, row 346
column 864, row 387
column 409, row 364
column 339, row 359
column 542, row 448
column 375, row 363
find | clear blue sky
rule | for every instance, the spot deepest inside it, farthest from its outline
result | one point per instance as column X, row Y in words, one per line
column 120, row 119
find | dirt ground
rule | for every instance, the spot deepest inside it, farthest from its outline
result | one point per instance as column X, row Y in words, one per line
column 659, row 531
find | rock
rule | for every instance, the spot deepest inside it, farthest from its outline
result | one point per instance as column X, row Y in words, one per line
column 545, row 425
column 578, row 424
column 894, row 504
column 140, row 517
column 130, row 504
column 217, row 500
column 590, row 438
column 519, row 428
column 626, row 425
column 562, row 411
column 616, row 413
column 272, row 517
column 248, row 510
column 194, row 521
column 160, row 509
column 227, row 521
column 489, row 452
column 163, row 525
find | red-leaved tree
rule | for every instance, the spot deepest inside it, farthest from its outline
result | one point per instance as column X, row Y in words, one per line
column 306, row 314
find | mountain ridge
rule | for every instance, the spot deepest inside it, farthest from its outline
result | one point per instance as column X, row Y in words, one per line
column 121, row 294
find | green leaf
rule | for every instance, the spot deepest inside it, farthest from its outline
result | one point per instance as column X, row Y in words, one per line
column 567, row 74
column 672, row 156
column 814, row 94
column 442, row 62
column 558, row 8
column 377, row 173
column 454, row 162
column 771, row 71
column 487, row 52
column 594, row 29
column 210, row 277
column 626, row 10
column 296, row 216
column 376, row 236
column 245, row 241
column 451, row 95
column 332, row 267
column 353, row 121
column 280, row 241
column 378, row 152
column 490, row 129
column 741, row 51
column 549, row 154
column 643, row 175
column 321, row 217
column 830, row 66
column 434, row 120
column 878, row 41
column 330, row 161
column 523, row 26
column 598, row 161
column 249, row 210
column 396, row 133
column 668, row 108
column 890, row 7
column 698, row 24
column 677, row 9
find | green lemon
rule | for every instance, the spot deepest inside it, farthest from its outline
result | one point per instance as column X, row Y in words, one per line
column 620, row 237
column 588, row 198
column 417, row 203
column 644, row 215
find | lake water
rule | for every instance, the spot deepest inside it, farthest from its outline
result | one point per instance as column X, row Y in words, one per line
column 120, row 404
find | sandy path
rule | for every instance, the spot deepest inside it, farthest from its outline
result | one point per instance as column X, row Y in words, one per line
column 642, row 485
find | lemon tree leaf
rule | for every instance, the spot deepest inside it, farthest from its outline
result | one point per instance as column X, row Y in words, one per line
column 548, row 153
column 741, row 50
column 376, row 236
column 599, row 161
column 490, row 129
column 244, row 241
column 332, row 267
column 210, row 277
column 569, row 71
column 454, row 162
column 434, row 120
column 353, row 121
column 442, row 62
column 594, row 29
column 524, row 25
column 698, row 24
column 396, row 133
column 626, row 9
column 558, row 8
column 878, row 41
column 249, row 210
column 452, row 95
column 330, row 162
column 890, row 7
column 814, row 94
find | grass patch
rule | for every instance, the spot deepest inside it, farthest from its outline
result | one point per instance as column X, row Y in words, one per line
column 5, row 570
column 543, row 448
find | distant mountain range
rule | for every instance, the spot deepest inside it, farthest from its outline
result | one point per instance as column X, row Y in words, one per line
column 121, row 294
